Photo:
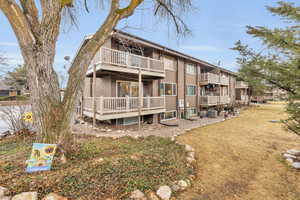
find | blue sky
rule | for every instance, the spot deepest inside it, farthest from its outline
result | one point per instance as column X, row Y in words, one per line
column 216, row 25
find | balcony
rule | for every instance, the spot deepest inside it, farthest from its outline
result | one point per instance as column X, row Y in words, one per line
column 110, row 60
column 244, row 99
column 214, row 100
column 241, row 85
column 211, row 78
column 122, row 107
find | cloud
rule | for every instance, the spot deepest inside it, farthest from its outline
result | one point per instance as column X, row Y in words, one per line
column 201, row 48
column 10, row 44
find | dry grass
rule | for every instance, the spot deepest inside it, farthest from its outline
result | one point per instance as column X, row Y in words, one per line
column 128, row 164
column 239, row 159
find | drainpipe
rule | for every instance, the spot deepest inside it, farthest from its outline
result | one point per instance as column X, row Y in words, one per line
column 197, row 89
column 184, row 83
column 177, row 86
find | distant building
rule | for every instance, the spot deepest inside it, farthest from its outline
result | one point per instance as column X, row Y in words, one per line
column 7, row 90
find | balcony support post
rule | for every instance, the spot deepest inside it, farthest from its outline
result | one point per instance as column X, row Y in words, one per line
column 140, row 97
column 127, row 104
column 101, row 105
column 94, row 96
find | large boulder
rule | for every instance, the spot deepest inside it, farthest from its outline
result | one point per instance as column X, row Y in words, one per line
column 53, row 196
column 164, row 192
column 26, row 196
column 3, row 192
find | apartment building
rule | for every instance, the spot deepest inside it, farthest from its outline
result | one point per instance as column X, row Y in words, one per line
column 173, row 85
column 242, row 92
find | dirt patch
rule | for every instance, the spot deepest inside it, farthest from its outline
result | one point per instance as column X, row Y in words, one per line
column 240, row 158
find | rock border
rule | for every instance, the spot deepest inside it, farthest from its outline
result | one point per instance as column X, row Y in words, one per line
column 292, row 157
column 165, row 192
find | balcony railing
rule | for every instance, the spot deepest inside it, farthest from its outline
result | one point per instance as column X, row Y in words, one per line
column 214, row 78
column 127, row 60
column 214, row 100
column 111, row 105
column 241, row 84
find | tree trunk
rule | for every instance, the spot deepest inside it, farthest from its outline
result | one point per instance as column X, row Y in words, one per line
column 49, row 114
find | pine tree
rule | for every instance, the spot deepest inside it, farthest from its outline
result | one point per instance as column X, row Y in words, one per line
column 278, row 64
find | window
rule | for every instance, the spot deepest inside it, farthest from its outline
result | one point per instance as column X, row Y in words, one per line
column 191, row 90
column 168, row 89
column 191, row 69
column 191, row 112
column 168, row 115
column 169, row 64
column 128, row 121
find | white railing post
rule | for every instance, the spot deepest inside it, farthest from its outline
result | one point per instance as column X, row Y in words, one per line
column 148, row 102
column 101, row 105
column 127, row 103
column 148, row 63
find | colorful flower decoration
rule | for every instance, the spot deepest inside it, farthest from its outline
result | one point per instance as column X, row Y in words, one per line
column 27, row 117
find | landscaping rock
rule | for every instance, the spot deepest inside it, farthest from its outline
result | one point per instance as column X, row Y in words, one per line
column 26, row 196
column 190, row 160
column 3, row 192
column 289, row 160
column 189, row 148
column 164, row 192
column 5, row 198
column 294, row 152
column 151, row 196
column 53, row 196
column 175, row 187
column 182, row 184
column 296, row 165
column 138, row 195
column 287, row 155
column 191, row 154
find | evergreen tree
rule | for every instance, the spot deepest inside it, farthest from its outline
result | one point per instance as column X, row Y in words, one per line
column 278, row 64
column 17, row 78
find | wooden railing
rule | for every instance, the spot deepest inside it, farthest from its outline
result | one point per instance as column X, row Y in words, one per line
column 110, row 105
column 214, row 100
column 241, row 84
column 244, row 98
column 214, row 78
column 209, row 100
column 224, row 80
column 129, row 60
column 224, row 100
column 210, row 78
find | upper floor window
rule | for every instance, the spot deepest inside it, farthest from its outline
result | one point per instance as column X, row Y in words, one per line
column 191, row 69
column 169, row 64
column 191, row 90
column 168, row 89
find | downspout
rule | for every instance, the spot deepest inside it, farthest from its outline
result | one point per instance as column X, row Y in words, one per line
column 177, row 86
column 197, row 89
column 184, row 89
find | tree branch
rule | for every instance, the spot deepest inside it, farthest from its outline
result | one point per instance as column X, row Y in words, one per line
column 18, row 22
column 31, row 12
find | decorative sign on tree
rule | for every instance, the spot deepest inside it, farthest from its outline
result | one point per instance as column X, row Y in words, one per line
column 41, row 157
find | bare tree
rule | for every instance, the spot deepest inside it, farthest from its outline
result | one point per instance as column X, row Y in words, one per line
column 37, row 29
